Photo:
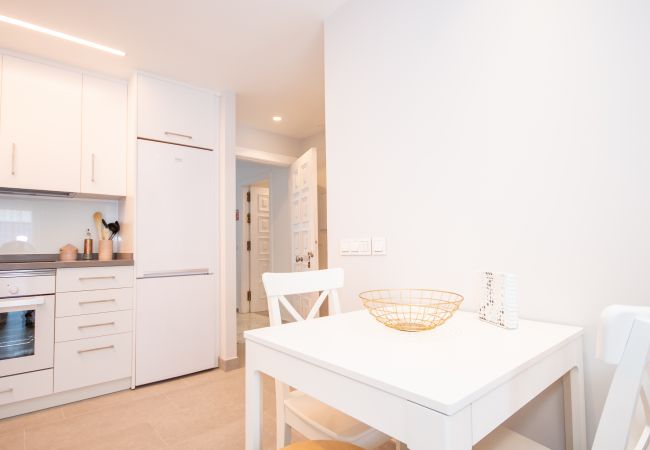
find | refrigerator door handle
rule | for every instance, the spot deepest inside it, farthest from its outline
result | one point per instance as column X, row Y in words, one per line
column 177, row 273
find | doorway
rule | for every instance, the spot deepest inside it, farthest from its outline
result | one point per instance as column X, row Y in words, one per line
column 263, row 237
column 282, row 221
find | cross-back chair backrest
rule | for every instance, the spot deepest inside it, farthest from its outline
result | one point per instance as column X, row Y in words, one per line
column 624, row 339
column 279, row 285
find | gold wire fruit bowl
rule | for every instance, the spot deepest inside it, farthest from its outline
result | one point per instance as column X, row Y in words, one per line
column 411, row 309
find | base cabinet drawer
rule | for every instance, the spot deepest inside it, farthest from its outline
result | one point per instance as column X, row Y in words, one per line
column 25, row 386
column 93, row 325
column 92, row 361
column 92, row 302
column 91, row 278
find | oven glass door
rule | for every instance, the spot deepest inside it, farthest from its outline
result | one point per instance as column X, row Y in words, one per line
column 17, row 334
column 26, row 334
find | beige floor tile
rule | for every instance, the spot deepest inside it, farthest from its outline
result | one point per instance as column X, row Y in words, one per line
column 19, row 423
column 199, row 411
column 94, row 425
column 250, row 321
column 120, row 398
column 180, row 425
column 137, row 437
column 228, row 437
column 14, row 440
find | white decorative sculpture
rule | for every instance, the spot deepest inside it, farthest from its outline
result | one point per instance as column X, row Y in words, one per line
column 498, row 296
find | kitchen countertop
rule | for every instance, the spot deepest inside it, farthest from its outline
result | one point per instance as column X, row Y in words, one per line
column 50, row 261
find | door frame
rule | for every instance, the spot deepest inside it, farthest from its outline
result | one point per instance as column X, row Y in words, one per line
column 262, row 157
column 227, row 227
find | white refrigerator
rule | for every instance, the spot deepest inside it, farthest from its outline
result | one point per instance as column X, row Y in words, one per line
column 176, row 247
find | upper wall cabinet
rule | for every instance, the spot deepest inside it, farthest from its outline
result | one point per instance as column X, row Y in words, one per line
column 40, row 126
column 103, row 137
column 171, row 112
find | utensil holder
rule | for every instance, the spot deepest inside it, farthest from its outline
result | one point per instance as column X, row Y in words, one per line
column 105, row 250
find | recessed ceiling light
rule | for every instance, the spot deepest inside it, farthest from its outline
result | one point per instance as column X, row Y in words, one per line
column 67, row 37
column 277, row 118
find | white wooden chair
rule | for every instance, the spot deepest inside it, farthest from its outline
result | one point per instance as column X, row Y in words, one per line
column 623, row 339
column 308, row 416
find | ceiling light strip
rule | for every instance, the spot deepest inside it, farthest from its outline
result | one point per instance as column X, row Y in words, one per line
column 58, row 34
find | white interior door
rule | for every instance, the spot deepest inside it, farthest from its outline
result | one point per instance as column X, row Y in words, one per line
column 303, row 192
column 260, row 237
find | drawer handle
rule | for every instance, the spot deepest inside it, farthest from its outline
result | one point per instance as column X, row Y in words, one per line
column 107, row 347
column 171, row 133
column 106, row 324
column 6, row 391
column 88, row 302
column 107, row 277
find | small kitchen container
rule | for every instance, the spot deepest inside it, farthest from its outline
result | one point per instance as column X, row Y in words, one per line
column 105, row 250
column 68, row 253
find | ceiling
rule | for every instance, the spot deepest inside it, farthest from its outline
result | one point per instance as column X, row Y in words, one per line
column 270, row 52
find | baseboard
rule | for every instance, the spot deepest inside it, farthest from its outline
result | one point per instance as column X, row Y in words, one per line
column 61, row 398
column 230, row 363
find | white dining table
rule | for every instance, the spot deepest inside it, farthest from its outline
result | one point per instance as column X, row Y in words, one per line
column 442, row 389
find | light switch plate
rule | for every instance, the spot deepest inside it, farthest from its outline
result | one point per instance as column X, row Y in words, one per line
column 378, row 246
column 344, row 246
column 364, row 247
column 355, row 247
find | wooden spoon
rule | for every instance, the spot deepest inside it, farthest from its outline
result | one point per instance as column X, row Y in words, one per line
column 97, row 217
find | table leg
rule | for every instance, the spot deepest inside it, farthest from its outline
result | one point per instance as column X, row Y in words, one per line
column 253, row 408
column 575, row 428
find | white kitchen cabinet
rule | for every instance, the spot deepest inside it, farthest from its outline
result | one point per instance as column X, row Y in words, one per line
column 103, row 137
column 85, row 362
column 16, row 388
column 176, row 113
column 94, row 326
column 93, row 302
column 92, row 278
column 40, row 131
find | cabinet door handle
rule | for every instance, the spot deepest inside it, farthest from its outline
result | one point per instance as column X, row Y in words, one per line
column 107, row 347
column 6, row 391
column 88, row 302
column 105, row 324
column 171, row 133
column 108, row 277
column 13, row 158
column 92, row 172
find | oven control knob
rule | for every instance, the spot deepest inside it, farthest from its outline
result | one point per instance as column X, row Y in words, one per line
column 13, row 290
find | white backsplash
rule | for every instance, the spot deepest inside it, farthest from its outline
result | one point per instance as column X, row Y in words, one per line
column 44, row 225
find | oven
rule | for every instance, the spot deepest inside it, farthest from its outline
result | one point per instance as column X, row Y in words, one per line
column 26, row 321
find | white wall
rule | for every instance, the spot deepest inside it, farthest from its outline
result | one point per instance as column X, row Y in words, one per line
column 318, row 141
column 49, row 223
column 252, row 138
column 504, row 135
column 278, row 177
